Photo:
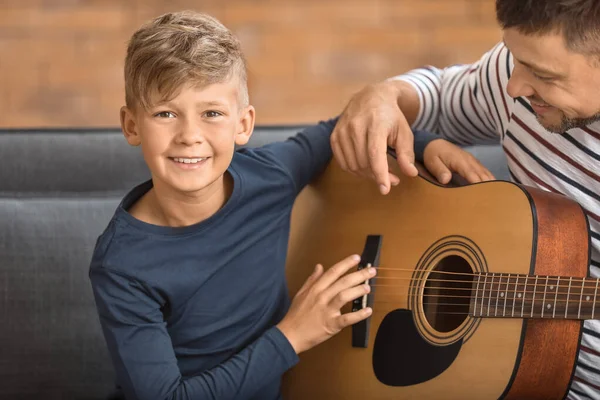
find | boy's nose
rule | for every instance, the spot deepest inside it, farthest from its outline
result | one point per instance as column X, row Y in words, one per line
column 189, row 135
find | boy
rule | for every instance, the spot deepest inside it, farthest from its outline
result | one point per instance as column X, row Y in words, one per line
column 189, row 275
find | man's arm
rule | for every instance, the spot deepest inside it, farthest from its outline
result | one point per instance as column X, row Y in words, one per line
column 465, row 104
column 143, row 355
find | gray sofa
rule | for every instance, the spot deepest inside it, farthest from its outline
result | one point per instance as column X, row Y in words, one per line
column 58, row 189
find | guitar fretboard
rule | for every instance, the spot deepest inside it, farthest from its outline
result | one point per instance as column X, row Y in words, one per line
column 534, row 296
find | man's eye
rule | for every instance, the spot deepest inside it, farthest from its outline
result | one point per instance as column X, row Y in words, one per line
column 212, row 114
column 165, row 114
column 542, row 78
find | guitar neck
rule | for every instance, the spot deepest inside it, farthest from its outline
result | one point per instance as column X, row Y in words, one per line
column 534, row 296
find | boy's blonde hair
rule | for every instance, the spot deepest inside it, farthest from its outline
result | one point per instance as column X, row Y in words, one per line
column 177, row 49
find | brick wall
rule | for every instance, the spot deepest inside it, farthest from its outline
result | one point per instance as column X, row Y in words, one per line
column 61, row 60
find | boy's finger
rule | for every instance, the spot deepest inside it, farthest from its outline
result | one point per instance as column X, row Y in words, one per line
column 394, row 180
column 352, row 318
column 348, row 295
column 318, row 271
column 469, row 174
column 438, row 169
column 487, row 174
column 335, row 272
column 484, row 174
column 349, row 281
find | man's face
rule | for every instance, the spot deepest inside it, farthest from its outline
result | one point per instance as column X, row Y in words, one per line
column 562, row 86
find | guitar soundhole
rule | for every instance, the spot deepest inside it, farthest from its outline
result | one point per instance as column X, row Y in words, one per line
column 447, row 294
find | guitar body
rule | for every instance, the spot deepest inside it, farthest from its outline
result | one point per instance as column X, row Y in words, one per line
column 412, row 352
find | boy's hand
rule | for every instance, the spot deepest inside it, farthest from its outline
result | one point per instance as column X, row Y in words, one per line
column 314, row 315
column 441, row 158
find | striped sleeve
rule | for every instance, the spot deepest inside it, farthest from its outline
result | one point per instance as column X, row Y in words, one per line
column 466, row 104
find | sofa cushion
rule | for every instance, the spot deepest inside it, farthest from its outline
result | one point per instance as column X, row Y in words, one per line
column 52, row 344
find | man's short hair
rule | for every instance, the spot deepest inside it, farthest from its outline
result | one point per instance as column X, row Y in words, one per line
column 577, row 20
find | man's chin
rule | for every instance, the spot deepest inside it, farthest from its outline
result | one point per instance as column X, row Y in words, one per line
column 561, row 124
column 551, row 126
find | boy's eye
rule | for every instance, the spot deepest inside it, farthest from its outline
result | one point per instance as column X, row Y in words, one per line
column 212, row 114
column 165, row 114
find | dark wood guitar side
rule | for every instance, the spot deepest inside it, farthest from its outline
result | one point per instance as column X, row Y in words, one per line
column 481, row 290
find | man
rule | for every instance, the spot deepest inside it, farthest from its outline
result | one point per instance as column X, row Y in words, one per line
column 537, row 93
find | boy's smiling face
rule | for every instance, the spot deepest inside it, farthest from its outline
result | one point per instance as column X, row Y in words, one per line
column 188, row 142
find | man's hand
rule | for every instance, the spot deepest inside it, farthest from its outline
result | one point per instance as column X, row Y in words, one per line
column 441, row 158
column 372, row 121
column 315, row 315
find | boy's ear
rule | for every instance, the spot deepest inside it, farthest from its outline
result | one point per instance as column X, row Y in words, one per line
column 245, row 126
column 129, row 127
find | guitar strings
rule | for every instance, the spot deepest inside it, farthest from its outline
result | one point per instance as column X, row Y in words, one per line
column 505, row 314
column 581, row 297
column 521, row 301
column 529, row 279
column 488, row 284
column 537, row 315
column 488, row 288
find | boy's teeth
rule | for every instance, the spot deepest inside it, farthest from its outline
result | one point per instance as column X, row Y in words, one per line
column 189, row 160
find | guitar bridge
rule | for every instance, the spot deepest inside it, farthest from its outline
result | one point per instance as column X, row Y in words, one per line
column 369, row 258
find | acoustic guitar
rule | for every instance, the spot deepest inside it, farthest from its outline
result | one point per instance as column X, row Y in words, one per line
column 481, row 289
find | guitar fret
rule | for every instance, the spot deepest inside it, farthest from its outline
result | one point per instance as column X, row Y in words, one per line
column 515, row 296
column 483, row 295
column 497, row 295
column 524, row 295
column 490, row 297
column 544, row 300
column 533, row 299
column 580, row 298
column 505, row 294
column 568, row 295
column 556, row 296
column 545, row 304
column 476, row 295
column 594, row 304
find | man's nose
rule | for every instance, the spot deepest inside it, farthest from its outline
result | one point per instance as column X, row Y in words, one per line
column 518, row 86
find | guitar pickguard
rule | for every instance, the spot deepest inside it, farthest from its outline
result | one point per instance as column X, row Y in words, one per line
column 401, row 357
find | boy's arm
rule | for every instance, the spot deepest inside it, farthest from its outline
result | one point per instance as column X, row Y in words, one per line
column 143, row 355
column 305, row 155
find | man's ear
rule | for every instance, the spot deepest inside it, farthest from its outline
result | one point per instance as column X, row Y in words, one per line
column 245, row 126
column 129, row 127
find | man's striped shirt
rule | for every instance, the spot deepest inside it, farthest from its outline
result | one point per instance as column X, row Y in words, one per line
column 469, row 104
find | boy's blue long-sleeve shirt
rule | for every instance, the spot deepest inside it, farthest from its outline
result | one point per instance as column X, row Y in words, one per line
column 190, row 312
